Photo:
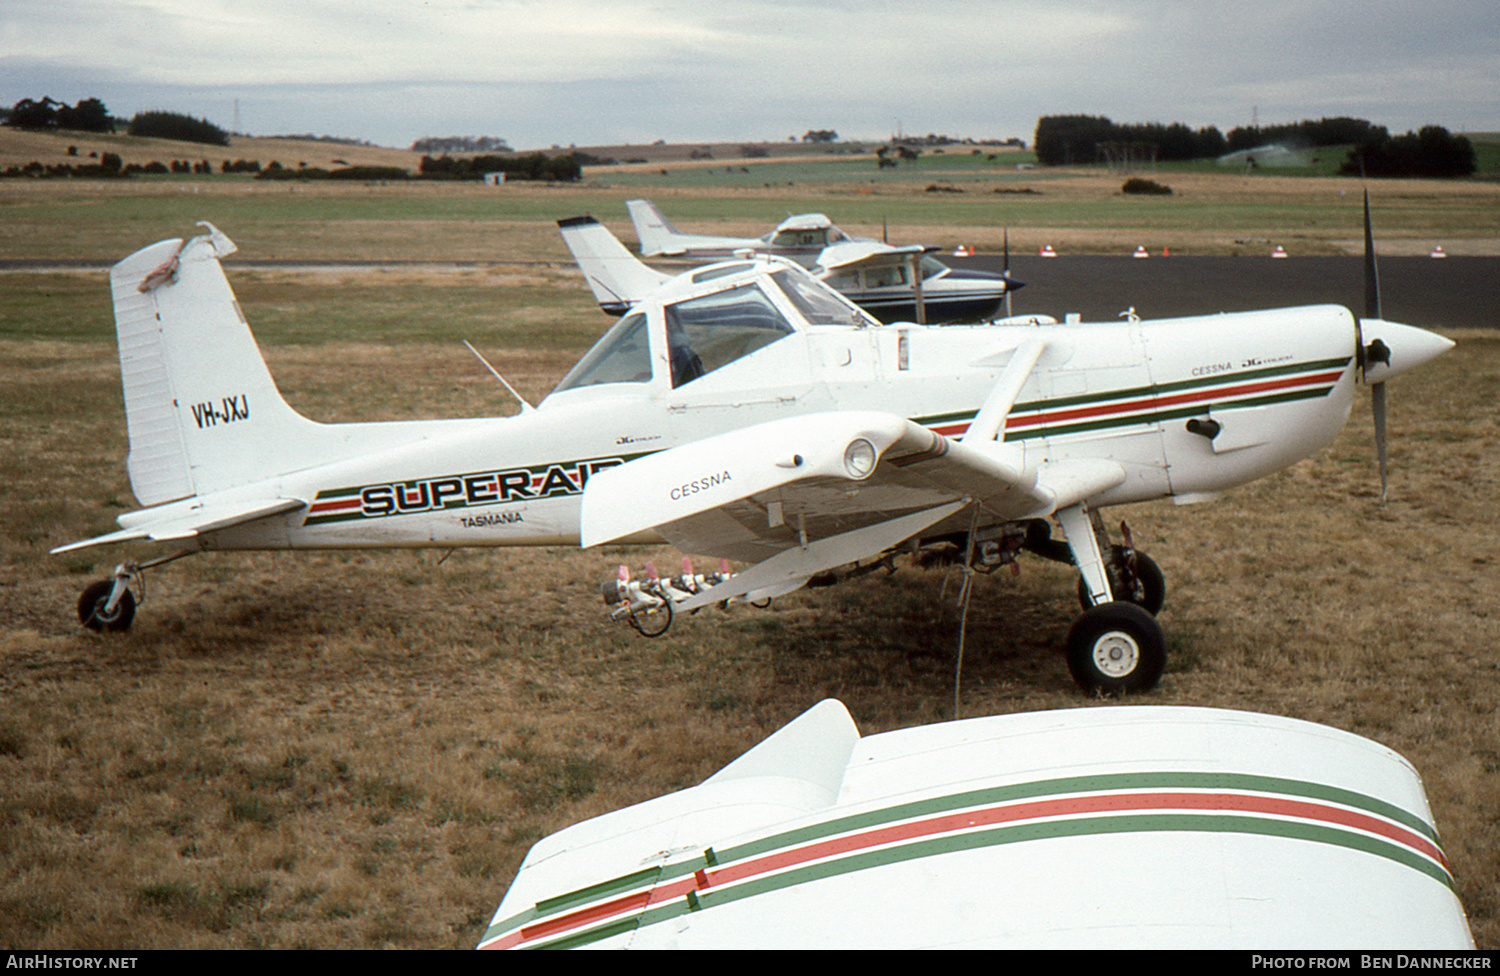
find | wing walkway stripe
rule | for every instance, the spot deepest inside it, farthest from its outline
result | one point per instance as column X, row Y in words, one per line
column 796, row 858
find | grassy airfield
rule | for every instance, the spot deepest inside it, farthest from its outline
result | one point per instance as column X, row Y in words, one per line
column 357, row 749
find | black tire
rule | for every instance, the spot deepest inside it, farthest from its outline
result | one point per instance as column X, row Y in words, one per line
column 652, row 623
column 1148, row 591
column 91, row 608
column 1116, row 647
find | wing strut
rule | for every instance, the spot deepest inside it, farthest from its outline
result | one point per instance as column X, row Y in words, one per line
column 990, row 421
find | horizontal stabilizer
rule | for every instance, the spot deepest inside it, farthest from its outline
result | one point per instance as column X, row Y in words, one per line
column 188, row 520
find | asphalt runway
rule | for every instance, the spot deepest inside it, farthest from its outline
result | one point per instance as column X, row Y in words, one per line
column 1447, row 293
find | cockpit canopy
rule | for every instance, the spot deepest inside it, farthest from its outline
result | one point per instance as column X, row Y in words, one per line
column 805, row 231
column 705, row 319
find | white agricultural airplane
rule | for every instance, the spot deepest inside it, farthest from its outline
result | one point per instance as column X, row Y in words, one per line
column 1087, row 828
column 894, row 284
column 745, row 411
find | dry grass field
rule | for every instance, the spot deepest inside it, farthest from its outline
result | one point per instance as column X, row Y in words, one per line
column 357, row 749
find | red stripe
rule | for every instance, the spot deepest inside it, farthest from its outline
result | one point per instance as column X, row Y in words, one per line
column 587, row 916
column 334, row 505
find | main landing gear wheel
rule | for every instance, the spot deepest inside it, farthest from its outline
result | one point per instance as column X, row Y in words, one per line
column 1116, row 647
column 1146, row 587
column 91, row 607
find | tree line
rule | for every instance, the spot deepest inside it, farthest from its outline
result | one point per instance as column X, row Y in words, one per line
column 566, row 168
column 1074, row 140
column 91, row 115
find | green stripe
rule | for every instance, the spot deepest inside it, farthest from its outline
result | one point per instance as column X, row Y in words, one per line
column 637, row 879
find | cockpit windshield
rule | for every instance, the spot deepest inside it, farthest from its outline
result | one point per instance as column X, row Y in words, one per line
column 623, row 355
column 932, row 267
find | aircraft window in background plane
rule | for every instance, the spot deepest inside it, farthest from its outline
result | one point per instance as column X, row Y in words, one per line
column 720, row 271
column 717, row 329
column 891, row 277
column 801, row 238
column 622, row 356
column 817, row 304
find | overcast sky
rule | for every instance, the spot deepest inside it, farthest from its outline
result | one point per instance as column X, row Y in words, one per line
column 589, row 72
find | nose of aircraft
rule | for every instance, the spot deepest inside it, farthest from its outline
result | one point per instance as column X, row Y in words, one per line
column 1392, row 348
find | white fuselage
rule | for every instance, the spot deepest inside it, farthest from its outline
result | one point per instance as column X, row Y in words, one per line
column 1278, row 384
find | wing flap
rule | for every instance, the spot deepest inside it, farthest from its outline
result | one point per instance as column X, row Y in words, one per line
column 185, row 521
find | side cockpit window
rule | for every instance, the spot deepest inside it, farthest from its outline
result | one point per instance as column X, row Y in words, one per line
column 622, row 356
column 818, row 303
column 711, row 331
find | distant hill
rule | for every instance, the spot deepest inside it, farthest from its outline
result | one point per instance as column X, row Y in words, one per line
column 19, row 147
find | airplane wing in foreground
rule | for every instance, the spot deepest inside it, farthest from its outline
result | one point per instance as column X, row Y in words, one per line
column 806, row 494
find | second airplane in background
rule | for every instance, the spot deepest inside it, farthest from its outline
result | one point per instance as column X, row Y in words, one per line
column 894, row 284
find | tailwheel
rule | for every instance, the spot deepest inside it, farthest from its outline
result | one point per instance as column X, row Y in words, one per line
column 1116, row 647
column 1133, row 576
column 95, row 613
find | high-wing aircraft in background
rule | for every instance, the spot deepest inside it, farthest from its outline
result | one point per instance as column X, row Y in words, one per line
column 894, row 284
column 1088, row 828
column 801, row 237
column 745, row 411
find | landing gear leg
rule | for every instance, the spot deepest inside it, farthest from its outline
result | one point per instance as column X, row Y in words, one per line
column 1116, row 645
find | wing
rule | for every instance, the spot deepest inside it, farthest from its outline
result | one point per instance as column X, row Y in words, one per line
column 805, row 494
column 849, row 255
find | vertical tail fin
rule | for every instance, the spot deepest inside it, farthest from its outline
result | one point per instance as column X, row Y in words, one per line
column 201, row 408
column 617, row 279
column 654, row 231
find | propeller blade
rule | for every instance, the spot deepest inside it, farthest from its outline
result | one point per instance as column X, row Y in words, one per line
column 1377, row 351
column 1372, row 275
column 1007, row 273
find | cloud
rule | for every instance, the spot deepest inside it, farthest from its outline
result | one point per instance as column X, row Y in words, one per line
column 543, row 71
